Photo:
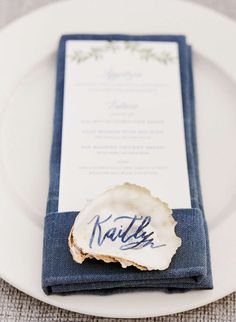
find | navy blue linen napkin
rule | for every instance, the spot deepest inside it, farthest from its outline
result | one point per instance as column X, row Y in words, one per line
column 190, row 267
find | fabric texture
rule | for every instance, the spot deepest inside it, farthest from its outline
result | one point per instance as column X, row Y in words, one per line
column 190, row 267
column 16, row 306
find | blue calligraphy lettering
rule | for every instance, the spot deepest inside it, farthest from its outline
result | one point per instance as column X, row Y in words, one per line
column 133, row 236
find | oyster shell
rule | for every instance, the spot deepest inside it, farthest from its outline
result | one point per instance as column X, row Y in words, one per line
column 125, row 224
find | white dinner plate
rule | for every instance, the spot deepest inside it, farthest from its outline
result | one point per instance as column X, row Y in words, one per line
column 27, row 88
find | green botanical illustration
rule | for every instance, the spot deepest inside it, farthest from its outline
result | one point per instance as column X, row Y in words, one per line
column 147, row 54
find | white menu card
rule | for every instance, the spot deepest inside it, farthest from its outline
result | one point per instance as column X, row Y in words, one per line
column 122, row 121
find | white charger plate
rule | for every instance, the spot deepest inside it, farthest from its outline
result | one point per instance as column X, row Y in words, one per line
column 27, row 88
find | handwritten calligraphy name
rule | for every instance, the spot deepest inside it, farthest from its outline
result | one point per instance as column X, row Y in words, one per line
column 133, row 236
